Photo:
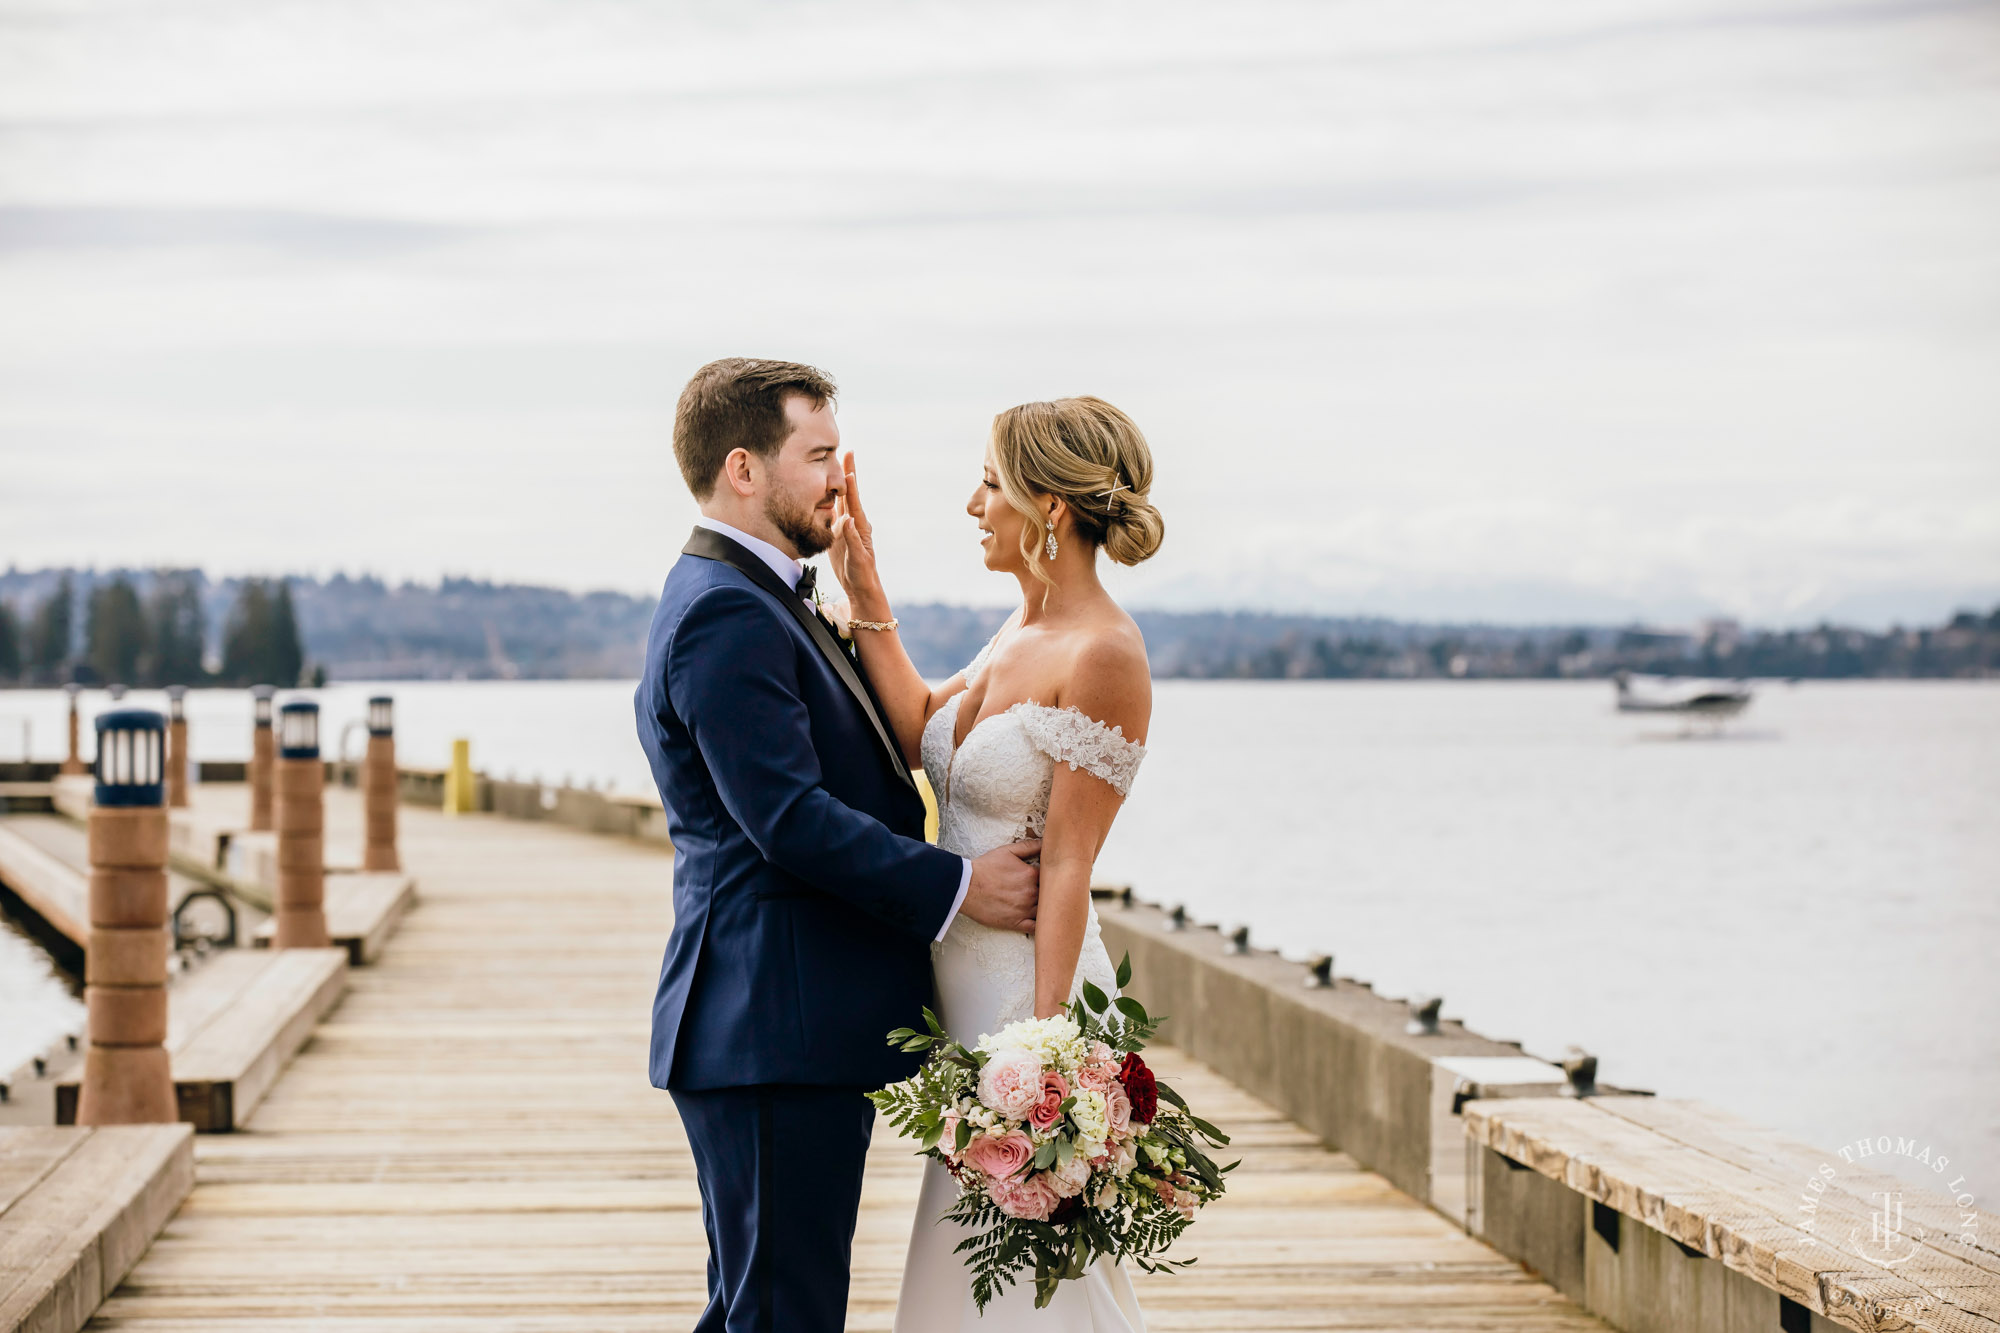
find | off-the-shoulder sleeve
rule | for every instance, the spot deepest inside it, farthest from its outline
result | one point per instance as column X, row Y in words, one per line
column 1070, row 737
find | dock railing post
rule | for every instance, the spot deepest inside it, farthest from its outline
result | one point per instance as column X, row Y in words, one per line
column 177, row 747
column 127, row 1079
column 458, row 781
column 263, row 749
column 301, row 784
column 73, row 765
column 379, row 787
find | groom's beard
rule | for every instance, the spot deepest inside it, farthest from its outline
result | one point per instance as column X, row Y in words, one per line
column 796, row 522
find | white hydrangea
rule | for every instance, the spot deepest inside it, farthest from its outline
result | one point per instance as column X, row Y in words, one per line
column 1088, row 1114
column 1055, row 1041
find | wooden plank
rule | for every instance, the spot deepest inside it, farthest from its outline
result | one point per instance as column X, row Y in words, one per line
column 470, row 1143
column 238, row 1056
column 363, row 909
column 231, row 1026
column 27, row 1154
column 196, row 997
column 68, row 1241
column 1789, row 1163
column 51, row 888
column 51, row 854
column 1730, row 1213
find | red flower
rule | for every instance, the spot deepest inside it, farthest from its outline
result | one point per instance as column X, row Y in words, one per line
column 1139, row 1088
column 1067, row 1209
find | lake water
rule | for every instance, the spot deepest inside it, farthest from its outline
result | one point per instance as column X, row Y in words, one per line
column 1797, row 921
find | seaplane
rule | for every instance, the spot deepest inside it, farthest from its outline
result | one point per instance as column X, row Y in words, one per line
column 1713, row 701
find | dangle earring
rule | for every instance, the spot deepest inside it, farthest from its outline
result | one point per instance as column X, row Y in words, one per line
column 1050, row 544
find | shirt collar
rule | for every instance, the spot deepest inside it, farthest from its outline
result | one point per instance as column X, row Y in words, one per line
column 786, row 568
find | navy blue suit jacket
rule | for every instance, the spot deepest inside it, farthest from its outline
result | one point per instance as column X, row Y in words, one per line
column 805, row 898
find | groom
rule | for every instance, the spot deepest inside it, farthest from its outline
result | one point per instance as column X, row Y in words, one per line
column 805, row 898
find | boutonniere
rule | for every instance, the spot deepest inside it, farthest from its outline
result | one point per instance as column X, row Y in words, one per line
column 836, row 613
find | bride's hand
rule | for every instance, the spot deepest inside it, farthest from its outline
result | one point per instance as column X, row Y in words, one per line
column 852, row 555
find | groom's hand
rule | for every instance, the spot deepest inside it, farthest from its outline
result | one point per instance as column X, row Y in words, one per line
column 1005, row 888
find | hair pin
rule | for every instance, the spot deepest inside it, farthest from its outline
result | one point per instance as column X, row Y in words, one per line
column 1106, row 495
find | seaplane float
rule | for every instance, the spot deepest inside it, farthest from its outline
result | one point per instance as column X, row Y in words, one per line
column 1713, row 701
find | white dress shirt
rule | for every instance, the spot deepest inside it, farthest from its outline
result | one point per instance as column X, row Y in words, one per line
column 789, row 572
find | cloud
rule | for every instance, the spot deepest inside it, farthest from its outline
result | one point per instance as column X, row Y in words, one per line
column 25, row 229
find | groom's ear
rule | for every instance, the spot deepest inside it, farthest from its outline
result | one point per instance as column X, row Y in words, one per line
column 739, row 472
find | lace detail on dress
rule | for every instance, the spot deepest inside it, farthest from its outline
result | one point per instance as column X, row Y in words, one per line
column 1070, row 736
column 992, row 790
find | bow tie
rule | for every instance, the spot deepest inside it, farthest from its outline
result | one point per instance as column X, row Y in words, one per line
column 807, row 584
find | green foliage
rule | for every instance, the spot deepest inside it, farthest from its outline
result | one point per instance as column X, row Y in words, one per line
column 176, row 629
column 49, row 637
column 116, row 633
column 10, row 643
column 288, row 657
column 260, row 641
column 1136, row 1224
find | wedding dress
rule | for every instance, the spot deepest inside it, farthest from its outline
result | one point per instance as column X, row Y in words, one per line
column 993, row 790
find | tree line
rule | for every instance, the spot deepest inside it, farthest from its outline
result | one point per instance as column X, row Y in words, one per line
column 155, row 640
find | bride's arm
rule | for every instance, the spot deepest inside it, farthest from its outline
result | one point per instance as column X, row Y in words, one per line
column 907, row 700
column 1114, row 687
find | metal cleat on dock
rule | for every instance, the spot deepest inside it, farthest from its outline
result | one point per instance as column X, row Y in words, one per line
column 1581, row 1066
column 1239, row 940
column 1424, row 1015
column 1319, row 973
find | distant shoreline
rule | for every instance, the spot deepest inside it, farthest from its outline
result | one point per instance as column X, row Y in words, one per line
column 464, row 629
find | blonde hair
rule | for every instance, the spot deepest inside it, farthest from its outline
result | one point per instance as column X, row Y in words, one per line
column 1093, row 458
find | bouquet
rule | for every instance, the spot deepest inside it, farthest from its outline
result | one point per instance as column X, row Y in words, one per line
column 1065, row 1146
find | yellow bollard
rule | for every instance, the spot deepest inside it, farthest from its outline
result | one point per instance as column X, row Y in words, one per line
column 930, row 806
column 458, row 783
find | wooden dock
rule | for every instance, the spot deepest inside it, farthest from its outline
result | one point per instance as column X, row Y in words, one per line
column 469, row 1142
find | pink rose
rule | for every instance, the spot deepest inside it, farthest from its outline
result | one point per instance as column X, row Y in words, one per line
column 1048, row 1110
column 949, row 1139
column 999, row 1156
column 1068, row 1181
column 1011, row 1084
column 1098, row 1076
column 1124, row 1159
column 1117, row 1110
column 1099, row 1054
column 1030, row 1198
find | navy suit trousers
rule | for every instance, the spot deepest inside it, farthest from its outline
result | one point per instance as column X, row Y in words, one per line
column 780, row 1173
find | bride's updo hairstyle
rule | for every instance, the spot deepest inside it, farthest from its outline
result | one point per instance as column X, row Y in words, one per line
column 1089, row 455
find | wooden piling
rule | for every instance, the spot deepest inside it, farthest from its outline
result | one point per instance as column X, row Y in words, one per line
column 380, row 789
column 301, row 821
column 73, row 764
column 126, row 1076
column 178, row 762
column 263, row 756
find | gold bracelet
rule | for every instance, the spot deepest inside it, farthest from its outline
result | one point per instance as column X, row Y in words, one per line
column 873, row 624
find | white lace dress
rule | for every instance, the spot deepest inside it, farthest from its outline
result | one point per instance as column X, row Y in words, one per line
column 993, row 790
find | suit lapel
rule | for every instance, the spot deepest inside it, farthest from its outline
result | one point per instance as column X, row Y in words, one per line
column 710, row 545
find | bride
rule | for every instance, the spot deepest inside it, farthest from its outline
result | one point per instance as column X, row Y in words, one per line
column 1038, row 738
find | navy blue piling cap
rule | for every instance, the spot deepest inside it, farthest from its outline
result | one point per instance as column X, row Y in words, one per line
column 131, row 757
column 298, row 730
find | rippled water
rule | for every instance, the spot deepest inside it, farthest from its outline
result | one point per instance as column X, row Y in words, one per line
column 1795, row 921
column 38, row 1002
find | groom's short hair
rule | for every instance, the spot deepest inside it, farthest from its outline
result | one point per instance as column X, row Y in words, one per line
column 738, row 403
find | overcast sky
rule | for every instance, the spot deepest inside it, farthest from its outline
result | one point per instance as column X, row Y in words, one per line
column 1499, row 310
